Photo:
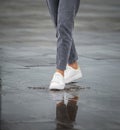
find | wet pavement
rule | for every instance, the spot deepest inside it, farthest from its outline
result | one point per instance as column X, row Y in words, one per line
column 27, row 62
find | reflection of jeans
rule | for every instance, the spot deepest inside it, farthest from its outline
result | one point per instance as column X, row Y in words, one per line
column 66, row 114
column 63, row 13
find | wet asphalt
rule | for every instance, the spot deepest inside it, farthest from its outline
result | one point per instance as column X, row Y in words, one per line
column 27, row 63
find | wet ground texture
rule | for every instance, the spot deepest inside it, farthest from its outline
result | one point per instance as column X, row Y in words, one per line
column 27, row 62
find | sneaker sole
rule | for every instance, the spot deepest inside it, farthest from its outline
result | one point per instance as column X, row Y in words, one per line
column 73, row 78
column 57, row 88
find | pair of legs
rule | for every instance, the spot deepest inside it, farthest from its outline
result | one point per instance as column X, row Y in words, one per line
column 63, row 13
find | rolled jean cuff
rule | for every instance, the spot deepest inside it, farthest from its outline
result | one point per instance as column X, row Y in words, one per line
column 61, row 67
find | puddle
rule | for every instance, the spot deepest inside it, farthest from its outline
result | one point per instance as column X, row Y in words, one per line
column 40, row 109
column 69, row 87
column 65, row 105
column 66, row 108
column 42, row 88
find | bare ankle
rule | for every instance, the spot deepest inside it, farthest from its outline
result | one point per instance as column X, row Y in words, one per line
column 60, row 71
column 74, row 65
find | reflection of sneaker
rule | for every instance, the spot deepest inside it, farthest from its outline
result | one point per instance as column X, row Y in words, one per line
column 68, row 96
column 57, row 82
column 57, row 96
column 72, row 74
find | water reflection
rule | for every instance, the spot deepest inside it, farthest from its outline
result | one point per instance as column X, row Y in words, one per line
column 66, row 108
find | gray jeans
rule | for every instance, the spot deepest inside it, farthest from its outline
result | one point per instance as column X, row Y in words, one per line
column 63, row 13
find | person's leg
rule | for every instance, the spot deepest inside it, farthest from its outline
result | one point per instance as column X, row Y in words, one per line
column 73, row 71
column 57, row 81
column 65, row 24
column 53, row 9
column 72, row 61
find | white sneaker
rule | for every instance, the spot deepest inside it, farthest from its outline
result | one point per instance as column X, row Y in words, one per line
column 57, row 82
column 71, row 74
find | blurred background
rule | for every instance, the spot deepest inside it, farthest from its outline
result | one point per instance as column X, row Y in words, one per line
column 28, row 21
